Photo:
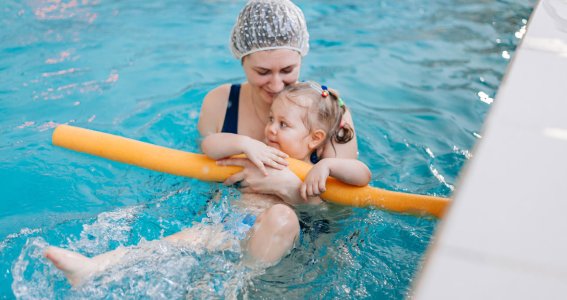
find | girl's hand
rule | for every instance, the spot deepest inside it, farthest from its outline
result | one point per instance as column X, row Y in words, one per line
column 262, row 155
column 315, row 181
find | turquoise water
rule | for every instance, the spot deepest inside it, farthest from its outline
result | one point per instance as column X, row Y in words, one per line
column 418, row 76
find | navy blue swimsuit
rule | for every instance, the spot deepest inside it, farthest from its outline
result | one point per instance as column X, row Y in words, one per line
column 230, row 124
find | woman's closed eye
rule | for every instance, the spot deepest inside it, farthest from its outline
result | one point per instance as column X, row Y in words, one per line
column 262, row 72
column 287, row 70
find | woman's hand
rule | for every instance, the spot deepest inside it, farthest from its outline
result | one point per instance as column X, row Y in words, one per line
column 262, row 155
column 315, row 181
column 281, row 183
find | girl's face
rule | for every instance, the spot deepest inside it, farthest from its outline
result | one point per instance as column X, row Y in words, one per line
column 286, row 130
column 268, row 72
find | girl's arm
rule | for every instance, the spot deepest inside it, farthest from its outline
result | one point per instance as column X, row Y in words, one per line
column 223, row 145
column 350, row 171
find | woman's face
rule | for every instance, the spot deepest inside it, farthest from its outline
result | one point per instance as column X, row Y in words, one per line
column 269, row 71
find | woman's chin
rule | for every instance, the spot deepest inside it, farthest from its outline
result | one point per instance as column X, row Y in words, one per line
column 268, row 97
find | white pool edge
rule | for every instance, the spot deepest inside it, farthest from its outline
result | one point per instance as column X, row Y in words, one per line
column 504, row 236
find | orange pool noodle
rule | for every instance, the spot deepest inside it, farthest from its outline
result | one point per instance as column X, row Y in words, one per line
column 199, row 166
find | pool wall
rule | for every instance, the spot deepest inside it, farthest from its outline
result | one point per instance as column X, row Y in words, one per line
column 504, row 236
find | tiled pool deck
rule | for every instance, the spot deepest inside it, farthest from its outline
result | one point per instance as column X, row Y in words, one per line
column 505, row 236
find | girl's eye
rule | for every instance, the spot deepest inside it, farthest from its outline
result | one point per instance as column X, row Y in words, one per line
column 283, row 125
column 271, row 119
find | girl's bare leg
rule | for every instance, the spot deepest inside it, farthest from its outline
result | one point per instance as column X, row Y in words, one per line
column 78, row 268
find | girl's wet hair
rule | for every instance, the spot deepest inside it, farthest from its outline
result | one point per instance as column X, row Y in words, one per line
column 325, row 110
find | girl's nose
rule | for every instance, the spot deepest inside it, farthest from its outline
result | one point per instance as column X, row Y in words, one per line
column 272, row 128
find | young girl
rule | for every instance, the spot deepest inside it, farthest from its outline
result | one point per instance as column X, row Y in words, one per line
column 303, row 117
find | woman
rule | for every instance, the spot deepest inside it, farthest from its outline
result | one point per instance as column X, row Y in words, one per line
column 269, row 38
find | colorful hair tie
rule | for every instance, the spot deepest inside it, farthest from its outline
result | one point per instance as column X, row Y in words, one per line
column 325, row 91
column 341, row 102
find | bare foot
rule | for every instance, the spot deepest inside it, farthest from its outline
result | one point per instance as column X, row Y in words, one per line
column 77, row 268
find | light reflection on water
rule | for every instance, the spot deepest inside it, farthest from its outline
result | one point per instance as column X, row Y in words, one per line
column 418, row 76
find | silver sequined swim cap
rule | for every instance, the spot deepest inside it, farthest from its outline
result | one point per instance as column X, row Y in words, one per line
column 267, row 25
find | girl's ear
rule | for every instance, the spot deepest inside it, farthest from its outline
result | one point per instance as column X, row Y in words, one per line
column 317, row 138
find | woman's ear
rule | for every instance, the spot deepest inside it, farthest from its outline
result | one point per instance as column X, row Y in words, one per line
column 317, row 138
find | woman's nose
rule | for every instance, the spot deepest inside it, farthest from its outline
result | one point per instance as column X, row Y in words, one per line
column 276, row 83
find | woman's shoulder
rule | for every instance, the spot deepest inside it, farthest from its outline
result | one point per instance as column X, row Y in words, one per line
column 212, row 112
column 220, row 93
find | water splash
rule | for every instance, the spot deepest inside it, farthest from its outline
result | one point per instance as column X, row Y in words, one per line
column 33, row 278
column 108, row 231
column 154, row 269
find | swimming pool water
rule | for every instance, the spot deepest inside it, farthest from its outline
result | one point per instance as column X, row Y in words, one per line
column 418, row 76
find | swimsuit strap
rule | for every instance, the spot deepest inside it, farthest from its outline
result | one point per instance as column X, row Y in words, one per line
column 230, row 124
column 313, row 158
